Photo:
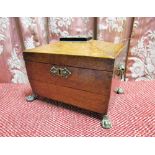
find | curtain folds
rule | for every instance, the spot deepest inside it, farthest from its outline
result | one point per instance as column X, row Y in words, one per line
column 17, row 34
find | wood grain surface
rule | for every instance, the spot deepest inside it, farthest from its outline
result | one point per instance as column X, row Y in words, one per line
column 92, row 48
column 74, row 61
column 79, row 98
column 91, row 64
column 83, row 79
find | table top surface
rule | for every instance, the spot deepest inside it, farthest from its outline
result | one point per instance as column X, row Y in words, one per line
column 92, row 48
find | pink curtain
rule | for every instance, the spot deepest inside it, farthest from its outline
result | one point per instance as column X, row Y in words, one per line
column 141, row 58
column 33, row 31
column 17, row 34
column 12, row 68
column 64, row 26
column 115, row 29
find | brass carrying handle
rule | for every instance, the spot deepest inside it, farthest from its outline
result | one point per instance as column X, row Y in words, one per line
column 120, row 71
column 62, row 72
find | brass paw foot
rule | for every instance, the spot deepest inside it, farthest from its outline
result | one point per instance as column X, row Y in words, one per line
column 106, row 122
column 119, row 90
column 31, row 98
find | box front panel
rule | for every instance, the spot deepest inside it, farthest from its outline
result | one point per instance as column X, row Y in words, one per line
column 78, row 98
column 78, row 78
column 86, row 86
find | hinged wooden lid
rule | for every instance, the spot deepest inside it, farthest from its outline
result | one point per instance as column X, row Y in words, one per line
column 92, row 48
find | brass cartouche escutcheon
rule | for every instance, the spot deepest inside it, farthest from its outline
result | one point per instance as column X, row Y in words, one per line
column 62, row 72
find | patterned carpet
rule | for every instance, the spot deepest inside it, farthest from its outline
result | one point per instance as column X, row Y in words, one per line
column 132, row 114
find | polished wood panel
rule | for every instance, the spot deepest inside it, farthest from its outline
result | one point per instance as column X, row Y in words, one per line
column 92, row 48
column 84, row 79
column 83, row 62
column 91, row 64
column 35, row 57
column 82, row 99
